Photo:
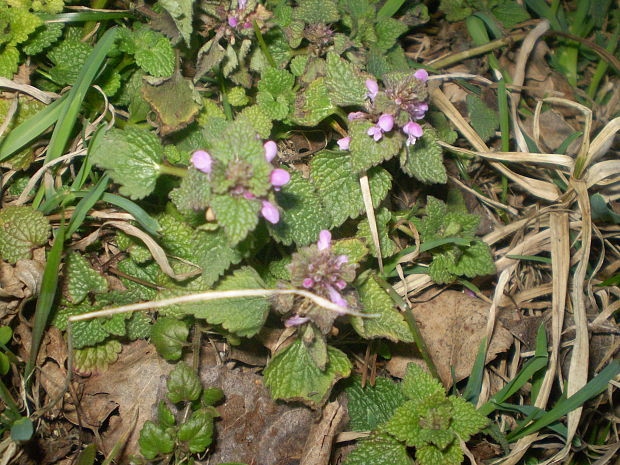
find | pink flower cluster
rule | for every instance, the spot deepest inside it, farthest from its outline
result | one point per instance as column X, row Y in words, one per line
column 202, row 161
column 233, row 20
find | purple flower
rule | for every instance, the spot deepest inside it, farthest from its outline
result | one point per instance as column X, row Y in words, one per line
column 202, row 161
column 419, row 110
column 247, row 25
column 279, row 178
column 308, row 283
column 232, row 21
column 373, row 88
column 386, row 122
column 325, row 240
column 270, row 212
column 375, row 132
column 421, row 74
column 242, row 4
column 248, row 195
column 296, row 320
column 335, row 297
column 355, row 115
column 344, row 143
column 271, row 150
column 413, row 131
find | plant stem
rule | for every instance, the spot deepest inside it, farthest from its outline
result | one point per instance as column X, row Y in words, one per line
column 173, row 170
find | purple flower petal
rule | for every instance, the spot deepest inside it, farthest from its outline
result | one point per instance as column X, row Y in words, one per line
column 202, row 161
column 356, row 115
column 270, row 212
column 413, row 129
column 373, row 88
column 344, row 143
column 386, row 122
column 242, row 4
column 341, row 284
column 248, row 195
column 375, row 132
column 232, row 21
column 279, row 177
column 421, row 74
column 335, row 297
column 341, row 260
column 325, row 239
column 271, row 150
column 419, row 110
column 308, row 283
column 296, row 320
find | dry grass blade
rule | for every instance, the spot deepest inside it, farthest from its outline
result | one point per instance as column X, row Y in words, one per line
column 45, row 97
column 372, row 221
column 9, row 116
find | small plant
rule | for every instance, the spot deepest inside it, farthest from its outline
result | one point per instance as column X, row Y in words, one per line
column 417, row 413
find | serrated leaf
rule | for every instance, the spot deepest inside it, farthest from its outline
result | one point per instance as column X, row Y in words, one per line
column 22, row 23
column 175, row 102
column 242, row 316
column 21, row 230
column 366, row 152
column 197, row 431
column 419, row 384
column 379, row 449
column 82, row 279
column 483, row 119
column 258, row 119
column 303, row 215
column 96, row 359
column 313, row 104
column 169, row 335
column 212, row 396
column 9, row 59
column 438, row 270
column 455, row 10
column 237, row 215
column 510, row 14
column 316, row 11
column 154, row 52
column 291, row 374
column 138, row 326
column 194, row 193
column 183, row 384
column 213, row 254
column 88, row 333
column 440, row 123
column 131, row 157
column 372, row 406
column 476, row 260
column 383, row 218
column 154, row 440
column 339, row 187
column 424, row 159
column 431, row 455
column 388, row 30
column 466, row 420
column 43, row 37
column 276, row 81
column 408, row 423
column 165, row 415
column 182, row 12
column 68, row 57
column 390, row 324
column 346, row 85
column 353, row 248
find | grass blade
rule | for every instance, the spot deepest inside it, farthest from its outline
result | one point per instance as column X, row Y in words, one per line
column 32, row 128
column 84, row 16
column 390, row 8
column 86, row 204
column 46, row 299
column 474, row 383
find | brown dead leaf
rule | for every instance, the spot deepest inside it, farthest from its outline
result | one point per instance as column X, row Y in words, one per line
column 318, row 446
column 452, row 325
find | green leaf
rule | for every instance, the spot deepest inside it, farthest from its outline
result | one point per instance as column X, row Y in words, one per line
column 182, row 13
column 68, row 57
column 313, row 104
column 197, row 431
column 303, row 215
column 366, row 152
column 383, row 218
column 424, row 159
column 390, row 324
column 138, row 326
column 237, row 215
column 353, row 248
column 154, row 440
column 510, row 14
column 419, row 384
column 183, row 384
column 455, row 10
column 243, row 316
column 154, row 52
column 379, row 449
column 258, row 119
column 164, row 415
column 346, row 85
column 316, row 11
column 169, row 335
column 275, row 92
column 43, row 37
column 213, row 254
column 476, row 260
column 194, row 193
column 483, row 119
column 5, row 364
column 372, row 406
column 339, row 186
column 466, row 420
column 291, row 374
column 22, row 429
column 82, row 279
column 423, row 422
column 388, row 30
column 212, row 396
column 21, row 230
column 9, row 60
column 6, row 333
column 96, row 359
column 431, row 455
column 131, row 157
